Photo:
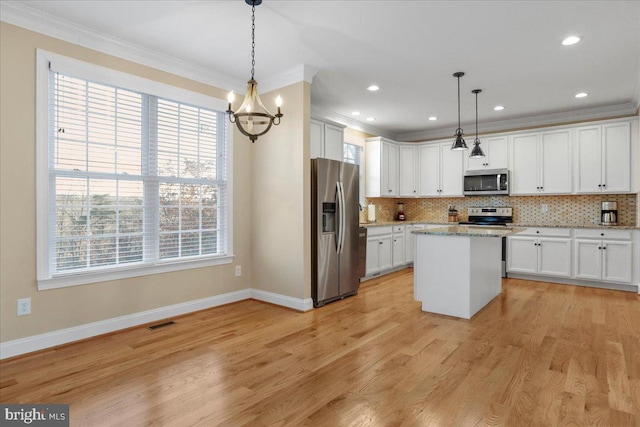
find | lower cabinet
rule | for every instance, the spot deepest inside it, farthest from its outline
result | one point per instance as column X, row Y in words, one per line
column 607, row 260
column 604, row 255
column 547, row 256
column 398, row 246
column 379, row 250
column 410, row 241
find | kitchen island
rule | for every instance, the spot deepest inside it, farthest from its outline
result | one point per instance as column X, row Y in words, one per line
column 457, row 269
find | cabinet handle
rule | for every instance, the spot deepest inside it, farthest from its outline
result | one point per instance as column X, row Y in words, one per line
column 414, row 191
column 537, row 231
column 604, row 185
column 604, row 247
column 602, row 234
column 379, row 243
column 600, row 247
column 389, row 191
column 600, row 185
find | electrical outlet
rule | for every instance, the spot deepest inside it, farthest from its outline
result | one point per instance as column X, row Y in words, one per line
column 238, row 270
column 24, row 306
column 545, row 208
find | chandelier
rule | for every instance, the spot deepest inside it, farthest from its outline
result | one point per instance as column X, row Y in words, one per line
column 252, row 118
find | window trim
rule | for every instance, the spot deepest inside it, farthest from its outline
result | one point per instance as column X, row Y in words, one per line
column 45, row 60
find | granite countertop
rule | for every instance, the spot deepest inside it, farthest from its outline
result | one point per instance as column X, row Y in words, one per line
column 473, row 231
column 515, row 224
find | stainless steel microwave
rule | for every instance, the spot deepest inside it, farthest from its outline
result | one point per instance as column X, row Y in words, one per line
column 486, row 182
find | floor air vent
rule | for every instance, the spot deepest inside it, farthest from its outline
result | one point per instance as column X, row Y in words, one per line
column 161, row 325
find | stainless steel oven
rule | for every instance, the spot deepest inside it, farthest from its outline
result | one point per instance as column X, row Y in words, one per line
column 491, row 217
column 486, row 182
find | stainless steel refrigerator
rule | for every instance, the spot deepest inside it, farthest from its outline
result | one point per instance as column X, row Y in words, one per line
column 334, row 230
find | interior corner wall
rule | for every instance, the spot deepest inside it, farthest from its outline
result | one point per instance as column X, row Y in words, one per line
column 78, row 305
column 280, row 196
column 638, row 199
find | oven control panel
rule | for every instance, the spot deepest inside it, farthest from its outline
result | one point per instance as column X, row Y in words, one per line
column 490, row 211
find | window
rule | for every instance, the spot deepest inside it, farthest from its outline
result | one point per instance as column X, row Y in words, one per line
column 353, row 154
column 136, row 182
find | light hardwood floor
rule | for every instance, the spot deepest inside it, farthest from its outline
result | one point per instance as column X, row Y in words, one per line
column 539, row 354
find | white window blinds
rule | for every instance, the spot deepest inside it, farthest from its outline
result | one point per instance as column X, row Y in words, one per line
column 134, row 179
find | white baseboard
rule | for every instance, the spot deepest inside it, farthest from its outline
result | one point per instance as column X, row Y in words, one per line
column 283, row 300
column 76, row 333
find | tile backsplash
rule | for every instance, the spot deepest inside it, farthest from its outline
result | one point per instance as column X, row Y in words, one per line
column 567, row 210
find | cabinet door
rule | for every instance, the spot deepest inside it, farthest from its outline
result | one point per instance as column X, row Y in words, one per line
column 372, row 256
column 587, row 259
column 389, row 170
column 384, row 253
column 429, row 170
column 616, row 261
column 588, row 159
column 333, row 142
column 451, row 171
column 555, row 153
column 410, row 239
column 398, row 250
column 408, row 171
column 316, row 139
column 522, row 254
column 616, row 172
column 496, row 153
column 554, row 257
column 524, row 175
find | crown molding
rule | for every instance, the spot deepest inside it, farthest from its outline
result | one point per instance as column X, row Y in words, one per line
column 636, row 99
column 299, row 73
column 17, row 13
column 326, row 115
column 529, row 121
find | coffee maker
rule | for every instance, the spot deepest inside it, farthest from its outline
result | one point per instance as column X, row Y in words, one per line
column 609, row 213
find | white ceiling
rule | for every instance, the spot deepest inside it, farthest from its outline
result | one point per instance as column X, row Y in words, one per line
column 510, row 49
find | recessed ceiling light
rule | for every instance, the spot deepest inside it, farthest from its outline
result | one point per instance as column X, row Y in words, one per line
column 373, row 88
column 370, row 119
column 498, row 108
column 432, row 118
column 581, row 94
column 355, row 113
column 570, row 40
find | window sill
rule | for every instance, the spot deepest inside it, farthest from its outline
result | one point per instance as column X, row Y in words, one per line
column 78, row 279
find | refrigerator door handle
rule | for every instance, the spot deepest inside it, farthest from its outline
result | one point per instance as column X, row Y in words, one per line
column 339, row 213
column 343, row 217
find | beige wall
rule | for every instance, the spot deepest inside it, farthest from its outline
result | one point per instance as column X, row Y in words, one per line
column 63, row 308
column 638, row 207
column 280, row 224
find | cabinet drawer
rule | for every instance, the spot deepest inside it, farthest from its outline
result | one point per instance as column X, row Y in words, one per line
column 603, row 234
column 546, row 232
column 378, row 231
column 398, row 229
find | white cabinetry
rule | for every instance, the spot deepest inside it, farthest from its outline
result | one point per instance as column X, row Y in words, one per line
column 603, row 158
column 379, row 249
column 603, row 255
column 408, row 170
column 541, row 163
column 326, row 141
column 441, row 170
column 410, row 239
column 540, row 251
column 495, row 151
column 382, row 163
column 398, row 246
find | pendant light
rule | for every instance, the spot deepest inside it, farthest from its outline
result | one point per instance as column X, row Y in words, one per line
column 252, row 118
column 476, row 152
column 459, row 143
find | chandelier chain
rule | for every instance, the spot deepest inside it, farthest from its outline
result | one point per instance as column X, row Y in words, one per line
column 458, row 102
column 253, row 39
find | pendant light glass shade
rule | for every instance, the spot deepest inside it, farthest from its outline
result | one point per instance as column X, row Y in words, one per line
column 459, row 143
column 252, row 118
column 476, row 152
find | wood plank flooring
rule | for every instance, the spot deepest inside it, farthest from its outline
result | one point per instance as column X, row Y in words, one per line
column 539, row 354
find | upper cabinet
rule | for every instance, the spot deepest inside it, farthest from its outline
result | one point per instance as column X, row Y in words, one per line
column 598, row 158
column 441, row 170
column 603, row 158
column 541, row 163
column 326, row 141
column 495, row 151
column 382, row 164
column 409, row 168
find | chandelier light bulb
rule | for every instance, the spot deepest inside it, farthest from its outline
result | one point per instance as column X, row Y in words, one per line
column 278, row 101
column 231, row 97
